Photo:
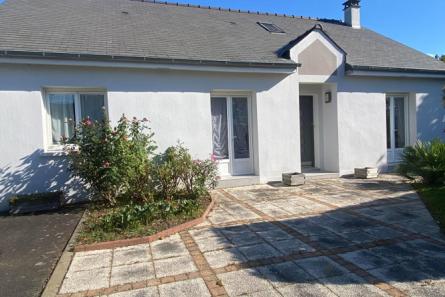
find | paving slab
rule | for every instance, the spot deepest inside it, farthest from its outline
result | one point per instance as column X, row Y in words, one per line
column 259, row 251
column 86, row 280
column 306, row 290
column 222, row 258
column 146, row 292
column 131, row 255
column 321, row 267
column 174, row 266
column 213, row 243
column 169, row 247
column 285, row 274
column 91, row 261
column 291, row 246
column 365, row 259
column 131, row 273
column 244, row 282
column 188, row 288
column 350, row 285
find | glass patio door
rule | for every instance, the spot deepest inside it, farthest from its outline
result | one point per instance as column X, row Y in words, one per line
column 231, row 133
column 396, row 126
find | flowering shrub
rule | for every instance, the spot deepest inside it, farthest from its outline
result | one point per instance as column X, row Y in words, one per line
column 120, row 167
column 113, row 161
column 143, row 192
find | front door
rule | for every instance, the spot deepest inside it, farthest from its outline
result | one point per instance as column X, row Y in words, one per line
column 396, row 126
column 232, row 136
column 307, row 130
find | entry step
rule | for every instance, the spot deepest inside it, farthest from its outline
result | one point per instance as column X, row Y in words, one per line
column 238, row 181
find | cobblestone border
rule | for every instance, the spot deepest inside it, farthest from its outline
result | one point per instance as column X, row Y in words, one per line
column 146, row 239
column 207, row 273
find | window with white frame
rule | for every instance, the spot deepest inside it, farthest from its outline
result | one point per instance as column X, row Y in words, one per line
column 65, row 109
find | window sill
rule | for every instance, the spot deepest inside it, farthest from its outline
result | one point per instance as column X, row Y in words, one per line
column 54, row 153
column 222, row 161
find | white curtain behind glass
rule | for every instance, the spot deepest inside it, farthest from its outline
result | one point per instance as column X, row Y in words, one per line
column 219, row 128
column 62, row 116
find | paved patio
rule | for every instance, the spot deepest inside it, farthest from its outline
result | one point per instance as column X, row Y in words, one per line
column 340, row 237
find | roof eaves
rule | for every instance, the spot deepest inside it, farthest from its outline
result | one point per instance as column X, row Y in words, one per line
column 393, row 69
column 117, row 58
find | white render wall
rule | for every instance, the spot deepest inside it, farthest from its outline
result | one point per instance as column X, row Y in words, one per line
column 362, row 116
column 176, row 103
column 353, row 125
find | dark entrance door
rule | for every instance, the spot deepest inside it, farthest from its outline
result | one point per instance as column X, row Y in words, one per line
column 307, row 130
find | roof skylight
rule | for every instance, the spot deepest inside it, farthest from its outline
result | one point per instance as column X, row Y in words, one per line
column 272, row 28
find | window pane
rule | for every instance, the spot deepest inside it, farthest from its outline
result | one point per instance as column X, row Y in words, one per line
column 399, row 122
column 240, row 128
column 92, row 106
column 219, row 128
column 62, row 116
column 388, row 122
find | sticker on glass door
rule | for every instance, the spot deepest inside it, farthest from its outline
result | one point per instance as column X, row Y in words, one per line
column 231, row 134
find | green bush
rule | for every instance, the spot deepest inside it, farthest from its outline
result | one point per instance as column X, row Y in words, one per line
column 175, row 174
column 425, row 160
column 113, row 162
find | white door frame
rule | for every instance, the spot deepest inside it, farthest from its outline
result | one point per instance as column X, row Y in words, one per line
column 393, row 153
column 229, row 166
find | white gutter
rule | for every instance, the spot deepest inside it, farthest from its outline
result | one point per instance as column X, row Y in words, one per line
column 393, row 74
column 151, row 65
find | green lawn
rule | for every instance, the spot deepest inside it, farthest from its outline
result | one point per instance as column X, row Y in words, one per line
column 434, row 199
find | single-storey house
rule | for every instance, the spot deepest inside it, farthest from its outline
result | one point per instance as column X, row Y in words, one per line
column 263, row 93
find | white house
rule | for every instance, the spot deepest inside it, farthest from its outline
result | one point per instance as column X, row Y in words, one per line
column 264, row 93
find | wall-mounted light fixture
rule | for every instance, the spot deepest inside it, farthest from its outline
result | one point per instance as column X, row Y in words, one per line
column 327, row 97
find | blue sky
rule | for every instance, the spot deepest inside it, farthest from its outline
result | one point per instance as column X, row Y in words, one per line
column 419, row 24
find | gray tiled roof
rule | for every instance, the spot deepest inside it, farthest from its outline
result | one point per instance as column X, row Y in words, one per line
column 159, row 31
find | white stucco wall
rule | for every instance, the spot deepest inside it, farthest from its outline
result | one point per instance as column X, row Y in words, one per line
column 352, row 127
column 362, row 117
column 176, row 102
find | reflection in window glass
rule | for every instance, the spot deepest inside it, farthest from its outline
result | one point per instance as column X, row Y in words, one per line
column 240, row 128
column 91, row 105
column 399, row 122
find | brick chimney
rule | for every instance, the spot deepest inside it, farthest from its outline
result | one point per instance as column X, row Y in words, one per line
column 352, row 13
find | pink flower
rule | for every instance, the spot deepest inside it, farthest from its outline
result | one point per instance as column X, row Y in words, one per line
column 212, row 157
column 87, row 122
